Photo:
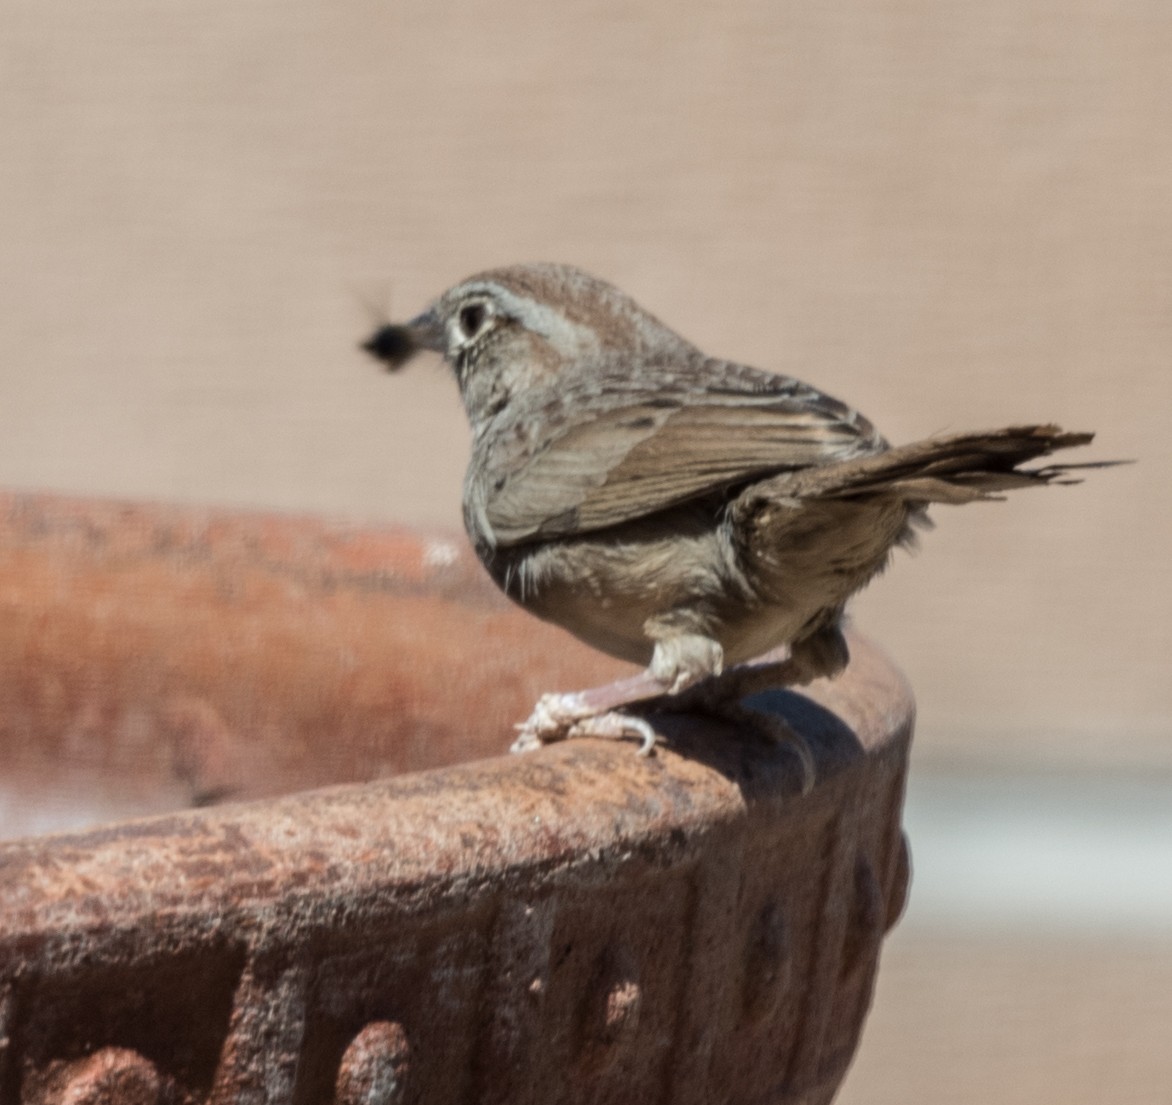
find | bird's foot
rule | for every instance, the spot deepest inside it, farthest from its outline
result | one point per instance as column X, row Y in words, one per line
column 568, row 716
column 613, row 711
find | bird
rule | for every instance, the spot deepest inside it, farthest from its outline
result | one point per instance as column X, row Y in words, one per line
column 704, row 519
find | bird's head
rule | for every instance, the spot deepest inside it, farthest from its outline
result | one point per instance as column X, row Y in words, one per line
column 521, row 328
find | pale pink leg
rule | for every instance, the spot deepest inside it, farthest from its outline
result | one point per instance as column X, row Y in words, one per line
column 551, row 721
column 598, row 711
column 591, row 713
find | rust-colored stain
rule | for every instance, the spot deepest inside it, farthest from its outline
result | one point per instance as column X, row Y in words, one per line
column 575, row 925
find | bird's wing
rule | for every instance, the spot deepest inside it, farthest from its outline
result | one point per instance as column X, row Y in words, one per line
column 622, row 455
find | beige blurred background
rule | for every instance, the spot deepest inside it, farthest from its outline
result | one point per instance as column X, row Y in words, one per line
column 953, row 216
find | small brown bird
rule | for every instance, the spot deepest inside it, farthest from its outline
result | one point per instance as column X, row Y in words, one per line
column 674, row 509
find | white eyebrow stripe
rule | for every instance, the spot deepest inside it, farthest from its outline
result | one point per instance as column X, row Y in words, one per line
column 542, row 319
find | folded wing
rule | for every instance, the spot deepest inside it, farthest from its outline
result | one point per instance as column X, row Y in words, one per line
column 623, row 456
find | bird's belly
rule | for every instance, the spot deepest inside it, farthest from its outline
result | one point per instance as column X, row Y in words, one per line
column 616, row 628
column 609, row 604
column 605, row 587
column 791, row 577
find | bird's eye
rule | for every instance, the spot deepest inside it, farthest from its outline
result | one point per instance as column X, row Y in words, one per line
column 471, row 319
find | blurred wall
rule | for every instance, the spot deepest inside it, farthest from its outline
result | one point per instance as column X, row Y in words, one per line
column 952, row 215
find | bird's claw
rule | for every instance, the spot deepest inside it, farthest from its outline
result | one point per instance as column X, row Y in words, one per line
column 565, row 717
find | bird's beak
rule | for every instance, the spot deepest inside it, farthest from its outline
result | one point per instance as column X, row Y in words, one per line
column 396, row 343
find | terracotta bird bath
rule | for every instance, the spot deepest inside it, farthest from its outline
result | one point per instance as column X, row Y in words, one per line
column 287, row 862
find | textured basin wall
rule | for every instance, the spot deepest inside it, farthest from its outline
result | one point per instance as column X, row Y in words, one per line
column 162, row 656
column 576, row 925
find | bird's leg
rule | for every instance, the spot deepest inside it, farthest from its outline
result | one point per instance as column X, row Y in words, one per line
column 685, row 674
column 591, row 713
column 678, row 661
column 681, row 660
column 822, row 654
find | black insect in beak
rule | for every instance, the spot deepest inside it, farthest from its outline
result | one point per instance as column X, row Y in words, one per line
column 396, row 343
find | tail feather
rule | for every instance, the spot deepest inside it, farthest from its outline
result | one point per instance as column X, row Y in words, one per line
column 959, row 468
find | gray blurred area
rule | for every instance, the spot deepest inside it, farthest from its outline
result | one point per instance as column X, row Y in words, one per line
column 953, row 216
